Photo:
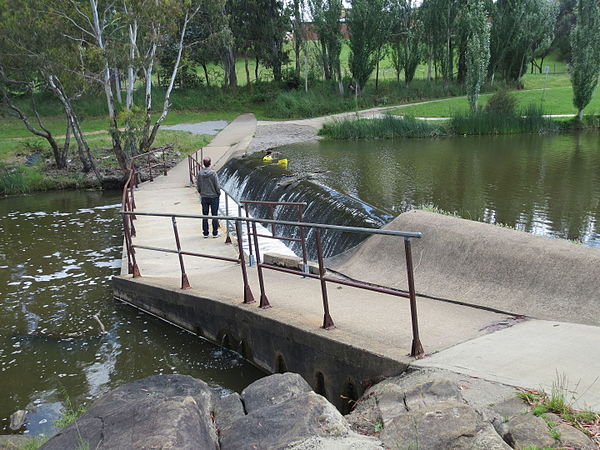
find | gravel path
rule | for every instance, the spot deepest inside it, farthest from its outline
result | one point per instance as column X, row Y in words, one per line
column 211, row 127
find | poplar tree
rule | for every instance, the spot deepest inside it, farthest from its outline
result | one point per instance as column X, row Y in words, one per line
column 478, row 49
column 326, row 18
column 368, row 23
column 585, row 54
column 406, row 39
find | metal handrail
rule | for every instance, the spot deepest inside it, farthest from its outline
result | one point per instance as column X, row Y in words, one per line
column 416, row 347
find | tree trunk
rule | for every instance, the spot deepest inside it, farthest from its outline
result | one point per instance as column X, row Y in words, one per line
column 84, row 149
column 247, row 69
column 147, row 142
column 205, row 69
column 377, row 77
column 117, row 80
column 256, row 70
column 429, row 66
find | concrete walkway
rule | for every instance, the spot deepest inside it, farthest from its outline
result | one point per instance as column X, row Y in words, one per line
column 529, row 354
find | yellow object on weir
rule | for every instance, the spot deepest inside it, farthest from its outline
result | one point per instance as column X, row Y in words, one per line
column 267, row 159
column 283, row 162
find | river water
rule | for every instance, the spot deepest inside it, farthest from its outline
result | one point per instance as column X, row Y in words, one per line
column 58, row 254
column 546, row 185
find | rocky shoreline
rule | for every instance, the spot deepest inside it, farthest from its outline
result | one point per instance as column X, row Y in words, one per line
column 426, row 409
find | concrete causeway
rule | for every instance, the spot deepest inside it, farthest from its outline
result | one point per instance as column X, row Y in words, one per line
column 373, row 334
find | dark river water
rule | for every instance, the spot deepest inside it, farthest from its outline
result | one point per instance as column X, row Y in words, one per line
column 546, row 185
column 58, row 254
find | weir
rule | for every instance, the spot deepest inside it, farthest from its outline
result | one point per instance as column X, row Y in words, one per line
column 470, row 280
column 373, row 335
column 250, row 178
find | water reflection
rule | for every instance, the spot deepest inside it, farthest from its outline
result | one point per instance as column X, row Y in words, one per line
column 59, row 252
column 546, row 185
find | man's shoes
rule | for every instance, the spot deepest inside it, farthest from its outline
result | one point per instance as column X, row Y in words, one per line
column 205, row 236
column 216, row 235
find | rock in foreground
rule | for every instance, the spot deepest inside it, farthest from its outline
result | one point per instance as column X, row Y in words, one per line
column 180, row 412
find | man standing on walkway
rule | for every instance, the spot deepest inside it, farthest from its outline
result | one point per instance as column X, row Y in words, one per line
column 207, row 184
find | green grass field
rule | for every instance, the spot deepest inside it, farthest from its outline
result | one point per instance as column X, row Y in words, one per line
column 556, row 100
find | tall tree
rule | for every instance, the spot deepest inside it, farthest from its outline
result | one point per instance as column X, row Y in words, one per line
column 368, row 24
column 326, row 16
column 406, row 45
column 440, row 19
column 275, row 24
column 521, row 29
column 478, row 49
column 34, row 57
column 562, row 31
column 298, row 32
column 585, row 54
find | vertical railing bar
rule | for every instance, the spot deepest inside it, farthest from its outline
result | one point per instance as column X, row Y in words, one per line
column 272, row 217
column 303, row 238
column 416, row 347
column 250, row 254
column 128, row 242
column 264, row 301
column 185, row 284
column 227, row 223
column 248, row 297
column 327, row 320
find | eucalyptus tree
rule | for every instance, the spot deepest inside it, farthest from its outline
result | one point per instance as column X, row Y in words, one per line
column 326, row 15
column 103, row 29
column 406, row 38
column 478, row 49
column 585, row 54
column 35, row 58
column 369, row 25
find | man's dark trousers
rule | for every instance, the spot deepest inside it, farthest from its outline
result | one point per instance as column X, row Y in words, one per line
column 211, row 203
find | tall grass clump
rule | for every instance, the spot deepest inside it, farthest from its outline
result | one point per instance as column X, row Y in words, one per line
column 385, row 128
column 531, row 120
column 26, row 179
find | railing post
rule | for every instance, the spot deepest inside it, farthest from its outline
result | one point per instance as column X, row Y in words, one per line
column 303, row 240
column 248, row 297
column 416, row 348
column 272, row 217
column 250, row 255
column 264, row 301
column 134, row 270
column 190, row 170
column 327, row 320
column 228, row 236
column 185, row 284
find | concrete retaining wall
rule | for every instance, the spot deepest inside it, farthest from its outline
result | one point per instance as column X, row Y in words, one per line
column 485, row 265
column 331, row 368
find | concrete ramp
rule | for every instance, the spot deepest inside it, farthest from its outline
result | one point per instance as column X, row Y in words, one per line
column 485, row 265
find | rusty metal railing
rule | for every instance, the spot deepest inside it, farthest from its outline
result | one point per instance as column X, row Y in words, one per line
column 299, row 206
column 322, row 276
column 128, row 199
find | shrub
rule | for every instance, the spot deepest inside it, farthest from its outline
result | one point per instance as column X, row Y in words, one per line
column 502, row 102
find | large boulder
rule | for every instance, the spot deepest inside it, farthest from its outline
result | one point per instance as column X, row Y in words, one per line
column 284, row 412
column 163, row 411
column 272, row 390
column 420, row 413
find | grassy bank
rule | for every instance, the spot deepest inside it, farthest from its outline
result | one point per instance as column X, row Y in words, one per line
column 33, row 170
column 480, row 123
column 387, row 127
